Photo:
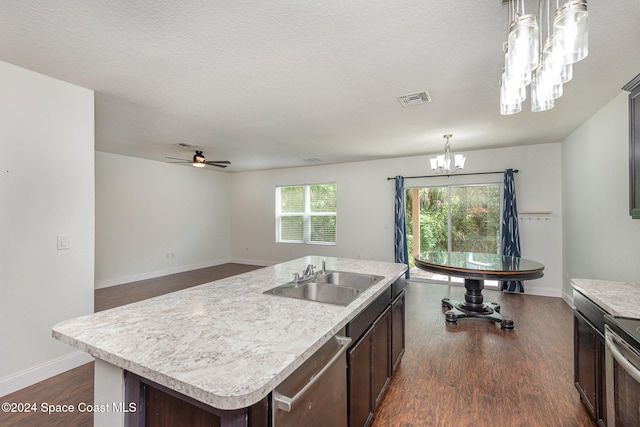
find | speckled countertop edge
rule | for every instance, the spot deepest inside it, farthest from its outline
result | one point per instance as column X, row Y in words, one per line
column 620, row 299
column 223, row 343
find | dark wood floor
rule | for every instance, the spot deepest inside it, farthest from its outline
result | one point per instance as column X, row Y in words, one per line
column 468, row 374
column 115, row 296
column 473, row 373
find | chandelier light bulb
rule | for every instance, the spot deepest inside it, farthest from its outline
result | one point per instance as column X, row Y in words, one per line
column 442, row 163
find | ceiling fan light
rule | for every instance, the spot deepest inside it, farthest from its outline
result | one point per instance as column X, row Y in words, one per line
column 198, row 164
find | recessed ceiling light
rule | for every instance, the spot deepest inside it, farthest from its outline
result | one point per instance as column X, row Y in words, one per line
column 415, row 98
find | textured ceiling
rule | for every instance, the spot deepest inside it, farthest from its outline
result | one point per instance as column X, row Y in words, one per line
column 266, row 84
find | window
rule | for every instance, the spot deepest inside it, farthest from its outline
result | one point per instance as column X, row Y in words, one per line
column 455, row 218
column 306, row 214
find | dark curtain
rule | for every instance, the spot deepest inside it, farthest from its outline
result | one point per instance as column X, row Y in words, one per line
column 400, row 241
column 510, row 242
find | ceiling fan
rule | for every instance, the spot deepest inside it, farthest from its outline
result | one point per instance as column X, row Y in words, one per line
column 199, row 161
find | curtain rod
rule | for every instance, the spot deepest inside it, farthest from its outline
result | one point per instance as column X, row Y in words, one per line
column 458, row 174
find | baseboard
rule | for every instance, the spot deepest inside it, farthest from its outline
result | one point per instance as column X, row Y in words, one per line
column 568, row 298
column 542, row 292
column 159, row 273
column 252, row 262
column 42, row 372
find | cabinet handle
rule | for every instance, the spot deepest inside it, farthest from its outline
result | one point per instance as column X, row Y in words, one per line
column 286, row 403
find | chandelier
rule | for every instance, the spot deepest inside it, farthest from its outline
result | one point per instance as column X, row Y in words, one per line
column 442, row 163
column 543, row 66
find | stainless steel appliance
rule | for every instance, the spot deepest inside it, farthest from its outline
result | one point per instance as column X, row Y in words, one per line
column 315, row 395
column 622, row 362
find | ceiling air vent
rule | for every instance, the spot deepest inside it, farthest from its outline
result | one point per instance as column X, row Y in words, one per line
column 312, row 160
column 415, row 98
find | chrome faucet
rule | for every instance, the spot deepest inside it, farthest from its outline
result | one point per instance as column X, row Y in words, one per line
column 307, row 274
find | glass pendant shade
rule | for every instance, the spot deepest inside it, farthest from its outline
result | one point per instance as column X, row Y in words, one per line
column 511, row 98
column 508, row 109
column 514, row 78
column 550, row 71
column 541, row 99
column 571, row 31
column 550, row 82
column 567, row 73
column 523, row 45
column 459, row 161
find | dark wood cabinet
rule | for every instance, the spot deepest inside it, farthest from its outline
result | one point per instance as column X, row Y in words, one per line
column 159, row 406
column 585, row 366
column 634, row 147
column 360, row 410
column 379, row 337
column 369, row 370
column 589, row 349
column 381, row 356
column 397, row 331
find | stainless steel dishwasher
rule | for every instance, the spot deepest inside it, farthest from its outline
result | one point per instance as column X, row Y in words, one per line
column 315, row 395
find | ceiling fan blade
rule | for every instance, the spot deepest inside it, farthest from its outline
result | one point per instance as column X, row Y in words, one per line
column 218, row 165
column 173, row 158
column 218, row 162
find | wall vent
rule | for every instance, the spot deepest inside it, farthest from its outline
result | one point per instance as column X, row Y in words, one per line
column 415, row 98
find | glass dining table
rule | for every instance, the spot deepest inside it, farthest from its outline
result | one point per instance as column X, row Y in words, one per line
column 475, row 268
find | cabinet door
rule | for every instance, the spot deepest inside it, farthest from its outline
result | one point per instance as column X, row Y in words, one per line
column 601, row 389
column 360, row 370
column 381, row 355
column 585, row 362
column 397, row 331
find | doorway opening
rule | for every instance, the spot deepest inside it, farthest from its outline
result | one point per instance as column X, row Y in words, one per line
column 453, row 218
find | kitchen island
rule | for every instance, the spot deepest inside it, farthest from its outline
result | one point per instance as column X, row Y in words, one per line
column 224, row 344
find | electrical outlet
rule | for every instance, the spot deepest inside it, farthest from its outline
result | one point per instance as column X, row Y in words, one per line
column 63, row 242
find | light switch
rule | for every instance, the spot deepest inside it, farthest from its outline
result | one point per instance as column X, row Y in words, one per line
column 63, row 242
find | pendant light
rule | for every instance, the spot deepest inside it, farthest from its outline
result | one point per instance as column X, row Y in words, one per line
column 442, row 164
column 545, row 68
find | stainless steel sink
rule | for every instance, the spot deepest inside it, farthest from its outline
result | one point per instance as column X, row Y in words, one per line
column 354, row 280
column 332, row 287
column 322, row 292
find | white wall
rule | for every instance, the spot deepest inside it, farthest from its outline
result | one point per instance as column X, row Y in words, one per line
column 365, row 207
column 46, row 189
column 601, row 239
column 155, row 218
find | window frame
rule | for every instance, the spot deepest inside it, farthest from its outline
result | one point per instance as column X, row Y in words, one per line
column 306, row 216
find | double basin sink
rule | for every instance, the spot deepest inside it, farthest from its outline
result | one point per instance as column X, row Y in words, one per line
column 332, row 287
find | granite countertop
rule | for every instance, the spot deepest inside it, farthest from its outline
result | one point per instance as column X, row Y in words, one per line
column 223, row 343
column 616, row 298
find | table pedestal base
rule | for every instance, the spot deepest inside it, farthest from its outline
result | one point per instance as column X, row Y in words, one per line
column 473, row 306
